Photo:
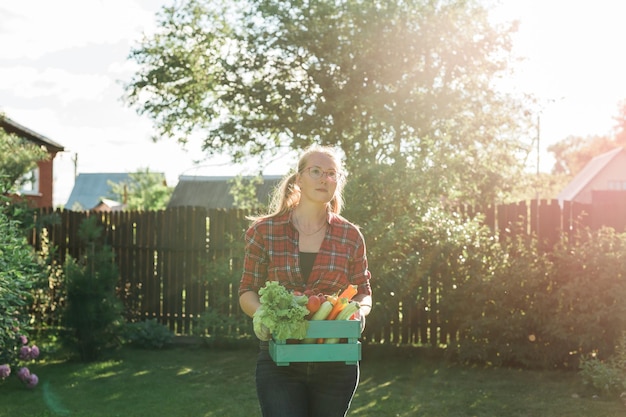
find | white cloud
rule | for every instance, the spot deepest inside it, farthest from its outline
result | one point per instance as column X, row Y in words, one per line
column 32, row 83
column 38, row 27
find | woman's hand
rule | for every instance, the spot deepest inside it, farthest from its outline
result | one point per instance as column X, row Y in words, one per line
column 360, row 316
column 260, row 330
column 365, row 302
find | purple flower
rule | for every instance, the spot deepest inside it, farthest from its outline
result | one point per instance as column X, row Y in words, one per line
column 23, row 339
column 23, row 374
column 34, row 352
column 5, row 371
column 25, row 353
column 32, row 381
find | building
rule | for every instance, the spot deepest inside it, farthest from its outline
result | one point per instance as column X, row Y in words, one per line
column 91, row 190
column 603, row 179
column 109, row 205
column 39, row 190
column 215, row 192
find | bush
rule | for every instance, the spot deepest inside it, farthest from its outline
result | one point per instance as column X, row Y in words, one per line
column 221, row 329
column 503, row 321
column 428, row 262
column 19, row 271
column 147, row 334
column 545, row 311
column 609, row 376
column 223, row 321
column 92, row 315
column 589, row 284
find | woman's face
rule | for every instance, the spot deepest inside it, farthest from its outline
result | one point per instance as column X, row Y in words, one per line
column 316, row 179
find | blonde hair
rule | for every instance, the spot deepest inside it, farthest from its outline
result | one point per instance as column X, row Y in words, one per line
column 286, row 196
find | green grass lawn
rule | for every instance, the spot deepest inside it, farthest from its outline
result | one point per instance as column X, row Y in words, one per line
column 203, row 382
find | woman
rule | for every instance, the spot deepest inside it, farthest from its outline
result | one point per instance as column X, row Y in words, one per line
column 306, row 245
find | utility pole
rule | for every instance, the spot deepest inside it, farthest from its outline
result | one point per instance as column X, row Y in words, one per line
column 75, row 161
column 538, row 140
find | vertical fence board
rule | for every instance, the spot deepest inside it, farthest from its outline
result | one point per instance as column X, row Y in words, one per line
column 240, row 224
column 162, row 265
column 490, row 217
column 549, row 224
column 153, row 279
column 175, row 270
column 195, row 284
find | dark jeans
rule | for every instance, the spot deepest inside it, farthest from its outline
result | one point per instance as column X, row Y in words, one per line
column 307, row 389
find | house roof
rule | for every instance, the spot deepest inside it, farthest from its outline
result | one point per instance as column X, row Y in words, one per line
column 90, row 189
column 11, row 126
column 214, row 192
column 588, row 173
column 106, row 204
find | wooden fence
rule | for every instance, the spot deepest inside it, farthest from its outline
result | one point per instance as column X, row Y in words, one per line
column 167, row 259
column 164, row 257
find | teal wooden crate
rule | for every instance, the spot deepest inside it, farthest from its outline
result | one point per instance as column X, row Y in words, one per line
column 283, row 353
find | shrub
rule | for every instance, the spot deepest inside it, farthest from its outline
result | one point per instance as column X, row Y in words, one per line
column 608, row 376
column 223, row 321
column 221, row 328
column 19, row 271
column 92, row 315
column 432, row 262
column 503, row 310
column 545, row 311
column 48, row 297
column 147, row 334
column 589, row 284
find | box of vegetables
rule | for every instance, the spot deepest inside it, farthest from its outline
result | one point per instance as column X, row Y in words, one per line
column 310, row 328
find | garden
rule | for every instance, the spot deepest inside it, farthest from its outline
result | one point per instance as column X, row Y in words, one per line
column 469, row 320
column 519, row 353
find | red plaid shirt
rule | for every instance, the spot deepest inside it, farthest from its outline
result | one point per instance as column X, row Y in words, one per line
column 272, row 254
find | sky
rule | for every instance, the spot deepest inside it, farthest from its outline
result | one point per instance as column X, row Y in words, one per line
column 63, row 63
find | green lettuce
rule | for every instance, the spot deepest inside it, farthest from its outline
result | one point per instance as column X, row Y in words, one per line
column 281, row 313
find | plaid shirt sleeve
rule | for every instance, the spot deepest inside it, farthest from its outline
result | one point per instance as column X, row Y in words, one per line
column 254, row 263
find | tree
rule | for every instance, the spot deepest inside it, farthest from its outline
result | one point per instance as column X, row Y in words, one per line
column 574, row 152
column 17, row 158
column 620, row 127
column 145, row 190
column 407, row 84
column 244, row 192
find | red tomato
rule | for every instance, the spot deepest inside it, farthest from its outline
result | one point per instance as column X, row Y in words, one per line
column 313, row 304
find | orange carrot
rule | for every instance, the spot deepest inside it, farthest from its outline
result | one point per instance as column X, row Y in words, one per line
column 349, row 292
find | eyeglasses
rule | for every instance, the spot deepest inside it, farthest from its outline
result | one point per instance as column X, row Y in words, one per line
column 316, row 173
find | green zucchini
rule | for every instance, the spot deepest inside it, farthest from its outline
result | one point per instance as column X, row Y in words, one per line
column 320, row 314
column 348, row 311
column 323, row 311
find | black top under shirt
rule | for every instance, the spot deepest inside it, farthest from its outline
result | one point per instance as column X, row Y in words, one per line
column 307, row 259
